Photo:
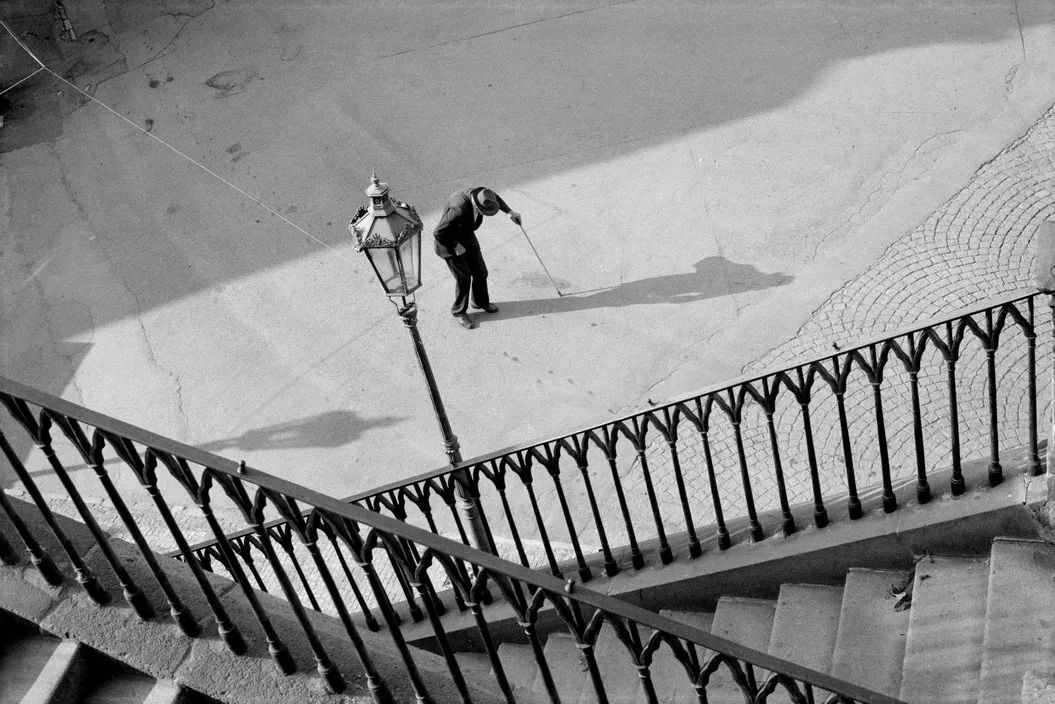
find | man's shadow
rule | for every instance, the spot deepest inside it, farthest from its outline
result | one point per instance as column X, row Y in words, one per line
column 713, row 277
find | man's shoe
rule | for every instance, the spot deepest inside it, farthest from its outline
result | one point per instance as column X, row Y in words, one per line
column 489, row 308
column 465, row 321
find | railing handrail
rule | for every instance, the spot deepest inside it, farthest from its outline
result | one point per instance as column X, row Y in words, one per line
column 860, row 344
column 429, row 540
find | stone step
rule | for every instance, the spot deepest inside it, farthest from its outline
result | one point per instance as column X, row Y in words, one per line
column 870, row 643
column 165, row 692
column 120, row 688
column 477, row 671
column 622, row 684
column 746, row 621
column 567, row 668
column 805, row 624
column 61, row 679
column 700, row 619
column 519, row 665
column 21, row 661
column 669, row 674
column 943, row 649
column 1018, row 619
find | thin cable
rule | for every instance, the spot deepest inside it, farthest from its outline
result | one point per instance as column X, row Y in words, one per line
column 24, row 47
column 176, row 151
column 13, row 85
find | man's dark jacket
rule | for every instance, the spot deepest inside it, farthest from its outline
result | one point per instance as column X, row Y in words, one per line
column 459, row 223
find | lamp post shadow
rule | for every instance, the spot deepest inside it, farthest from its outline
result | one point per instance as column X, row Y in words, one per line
column 712, row 277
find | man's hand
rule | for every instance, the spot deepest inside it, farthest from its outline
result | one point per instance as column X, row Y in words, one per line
column 459, row 250
column 515, row 217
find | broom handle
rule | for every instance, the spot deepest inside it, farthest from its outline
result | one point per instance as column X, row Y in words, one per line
column 555, row 288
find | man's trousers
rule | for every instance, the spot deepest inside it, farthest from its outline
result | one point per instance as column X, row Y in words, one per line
column 470, row 278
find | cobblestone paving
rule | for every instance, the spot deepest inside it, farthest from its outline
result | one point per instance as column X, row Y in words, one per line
column 974, row 247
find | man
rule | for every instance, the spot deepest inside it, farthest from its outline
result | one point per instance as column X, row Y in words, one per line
column 456, row 243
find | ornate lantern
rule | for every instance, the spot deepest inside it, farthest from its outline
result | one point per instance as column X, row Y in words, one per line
column 389, row 231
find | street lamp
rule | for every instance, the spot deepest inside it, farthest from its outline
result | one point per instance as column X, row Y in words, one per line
column 389, row 233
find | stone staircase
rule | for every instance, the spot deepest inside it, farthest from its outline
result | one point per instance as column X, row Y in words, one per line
column 956, row 630
column 38, row 668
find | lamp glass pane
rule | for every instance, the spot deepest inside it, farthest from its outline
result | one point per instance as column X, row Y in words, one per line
column 386, row 263
column 410, row 256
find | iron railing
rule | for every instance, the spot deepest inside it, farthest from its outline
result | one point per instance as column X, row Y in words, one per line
column 745, row 454
column 150, row 481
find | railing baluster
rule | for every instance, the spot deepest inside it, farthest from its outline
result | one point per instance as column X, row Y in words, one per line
column 644, row 673
column 721, row 532
column 514, row 531
column 636, row 558
column 312, row 599
column 473, row 602
column 528, row 625
column 610, row 567
column 876, row 379
column 37, row 556
column 586, row 641
column 957, row 483
column 1035, row 466
column 854, row 509
column 922, row 485
column 408, row 593
column 85, row 577
column 244, row 547
column 463, row 572
column 378, row 690
column 665, row 554
column 368, row 617
column 422, row 584
column 547, row 547
column 412, row 551
column 788, row 521
column 363, row 555
column 745, row 479
column 553, row 468
column 690, row 527
column 996, row 472
column 820, row 514
column 1050, row 453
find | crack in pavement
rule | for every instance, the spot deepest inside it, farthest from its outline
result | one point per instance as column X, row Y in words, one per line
column 160, row 53
column 881, row 185
column 152, row 356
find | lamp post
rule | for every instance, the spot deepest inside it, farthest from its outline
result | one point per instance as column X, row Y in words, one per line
column 389, row 233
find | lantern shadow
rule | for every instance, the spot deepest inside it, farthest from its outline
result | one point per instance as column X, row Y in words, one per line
column 330, row 429
column 713, row 277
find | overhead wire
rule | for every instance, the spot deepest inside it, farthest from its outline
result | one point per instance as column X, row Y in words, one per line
column 21, row 81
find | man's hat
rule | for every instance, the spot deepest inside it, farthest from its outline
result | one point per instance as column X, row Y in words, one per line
column 487, row 201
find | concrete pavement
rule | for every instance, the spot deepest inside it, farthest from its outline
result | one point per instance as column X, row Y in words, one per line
column 709, row 175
